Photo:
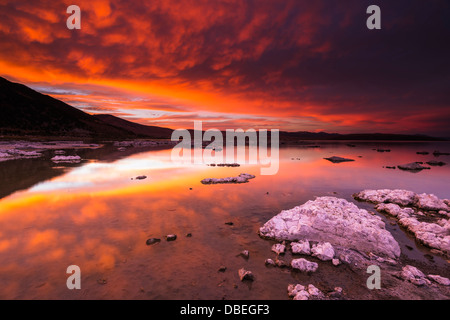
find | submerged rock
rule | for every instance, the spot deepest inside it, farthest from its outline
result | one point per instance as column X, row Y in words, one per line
column 335, row 159
column 333, row 220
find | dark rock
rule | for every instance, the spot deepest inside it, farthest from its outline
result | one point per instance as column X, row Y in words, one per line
column 171, row 237
column 245, row 254
column 222, row 269
column 229, row 223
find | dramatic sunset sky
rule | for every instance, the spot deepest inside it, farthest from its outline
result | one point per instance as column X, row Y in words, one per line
column 296, row 65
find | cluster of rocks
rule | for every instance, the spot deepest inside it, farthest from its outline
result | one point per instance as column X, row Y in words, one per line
column 66, row 159
column 438, row 153
column 424, row 215
column 242, row 178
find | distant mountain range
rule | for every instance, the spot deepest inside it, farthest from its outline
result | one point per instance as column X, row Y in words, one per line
column 28, row 113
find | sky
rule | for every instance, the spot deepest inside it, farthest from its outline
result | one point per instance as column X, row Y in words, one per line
column 293, row 65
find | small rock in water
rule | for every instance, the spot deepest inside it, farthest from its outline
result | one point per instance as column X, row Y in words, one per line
column 222, row 269
column 189, row 235
column 229, row 223
column 438, row 153
column 246, row 275
column 152, row 241
column 171, row 237
column 141, row 177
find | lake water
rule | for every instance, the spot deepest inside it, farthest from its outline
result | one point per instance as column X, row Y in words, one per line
column 96, row 216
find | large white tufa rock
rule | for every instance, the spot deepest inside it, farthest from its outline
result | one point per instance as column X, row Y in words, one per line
column 333, row 220
column 430, row 202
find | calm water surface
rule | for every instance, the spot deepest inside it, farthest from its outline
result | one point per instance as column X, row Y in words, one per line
column 96, row 216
